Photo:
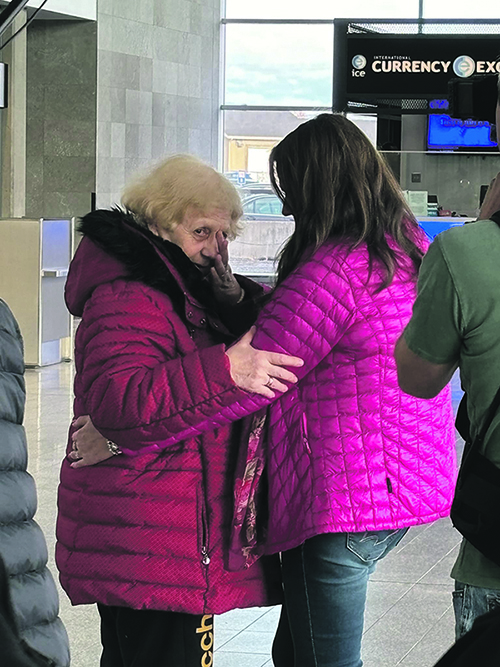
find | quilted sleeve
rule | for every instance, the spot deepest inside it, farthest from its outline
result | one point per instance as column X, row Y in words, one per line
column 306, row 317
column 308, row 314
column 134, row 393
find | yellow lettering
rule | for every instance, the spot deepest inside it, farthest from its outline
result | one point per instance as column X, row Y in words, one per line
column 445, row 66
column 426, row 66
column 376, row 66
column 406, row 66
column 210, row 658
column 396, row 66
column 491, row 67
column 415, row 66
column 206, row 646
column 435, row 66
column 204, row 624
column 386, row 66
column 480, row 66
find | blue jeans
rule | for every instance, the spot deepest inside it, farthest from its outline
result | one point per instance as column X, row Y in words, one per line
column 469, row 602
column 325, row 582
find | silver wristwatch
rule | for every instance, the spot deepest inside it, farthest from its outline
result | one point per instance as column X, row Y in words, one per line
column 113, row 448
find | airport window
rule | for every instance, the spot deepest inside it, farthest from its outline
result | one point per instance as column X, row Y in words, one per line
column 285, row 65
column 279, row 71
column 460, row 9
column 320, row 9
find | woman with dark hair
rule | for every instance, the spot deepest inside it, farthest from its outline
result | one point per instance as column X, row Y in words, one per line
column 352, row 461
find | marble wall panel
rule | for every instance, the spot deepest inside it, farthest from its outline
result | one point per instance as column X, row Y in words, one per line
column 146, row 74
column 64, row 204
column 61, row 117
column 69, row 137
column 130, row 37
column 133, row 10
column 175, row 14
column 68, row 174
column 159, row 88
column 118, row 140
column 131, row 140
column 118, row 104
column 104, row 139
column 165, row 43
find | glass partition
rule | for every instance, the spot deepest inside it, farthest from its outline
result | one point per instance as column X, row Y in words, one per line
column 285, row 65
column 443, row 188
column 452, row 180
column 320, row 9
column 460, row 9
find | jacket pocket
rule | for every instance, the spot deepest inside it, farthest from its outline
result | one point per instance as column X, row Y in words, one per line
column 372, row 545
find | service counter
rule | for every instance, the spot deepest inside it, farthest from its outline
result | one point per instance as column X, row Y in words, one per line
column 434, row 225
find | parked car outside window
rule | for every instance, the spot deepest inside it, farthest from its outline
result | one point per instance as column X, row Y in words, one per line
column 263, row 207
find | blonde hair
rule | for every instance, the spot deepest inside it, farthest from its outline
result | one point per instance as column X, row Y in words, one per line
column 163, row 195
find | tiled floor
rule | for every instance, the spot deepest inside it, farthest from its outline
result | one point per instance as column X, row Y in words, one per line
column 409, row 619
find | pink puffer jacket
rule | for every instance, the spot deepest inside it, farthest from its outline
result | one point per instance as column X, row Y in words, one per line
column 146, row 529
column 347, row 450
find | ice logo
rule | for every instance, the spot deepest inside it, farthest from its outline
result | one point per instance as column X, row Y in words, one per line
column 359, row 62
column 464, row 66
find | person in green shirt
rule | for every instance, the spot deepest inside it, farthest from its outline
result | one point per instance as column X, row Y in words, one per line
column 456, row 324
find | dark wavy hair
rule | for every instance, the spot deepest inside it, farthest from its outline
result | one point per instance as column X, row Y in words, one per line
column 337, row 186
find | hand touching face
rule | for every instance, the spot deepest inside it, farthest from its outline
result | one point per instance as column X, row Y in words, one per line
column 198, row 233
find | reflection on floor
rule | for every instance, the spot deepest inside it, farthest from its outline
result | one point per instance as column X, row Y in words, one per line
column 409, row 618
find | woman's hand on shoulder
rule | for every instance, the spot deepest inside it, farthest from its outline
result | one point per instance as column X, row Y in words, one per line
column 89, row 446
column 259, row 371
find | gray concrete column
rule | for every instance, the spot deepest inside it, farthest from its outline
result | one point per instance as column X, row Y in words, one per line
column 14, row 125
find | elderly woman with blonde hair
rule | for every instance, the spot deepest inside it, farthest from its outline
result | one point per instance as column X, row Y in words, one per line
column 142, row 514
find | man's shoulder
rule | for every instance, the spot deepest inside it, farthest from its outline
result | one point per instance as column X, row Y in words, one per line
column 466, row 242
column 468, row 232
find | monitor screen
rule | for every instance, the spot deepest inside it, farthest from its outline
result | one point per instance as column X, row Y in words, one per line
column 447, row 133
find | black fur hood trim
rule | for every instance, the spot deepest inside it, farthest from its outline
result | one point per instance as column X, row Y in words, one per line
column 120, row 235
column 139, row 255
column 145, row 257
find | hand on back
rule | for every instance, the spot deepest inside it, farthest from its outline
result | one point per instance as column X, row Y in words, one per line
column 89, row 446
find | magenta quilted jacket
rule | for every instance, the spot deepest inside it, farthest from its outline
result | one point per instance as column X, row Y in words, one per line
column 146, row 529
column 347, row 450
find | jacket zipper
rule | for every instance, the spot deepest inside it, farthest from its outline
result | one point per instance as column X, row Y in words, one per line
column 205, row 558
column 304, row 432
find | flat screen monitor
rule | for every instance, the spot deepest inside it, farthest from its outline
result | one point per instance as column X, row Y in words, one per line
column 447, row 133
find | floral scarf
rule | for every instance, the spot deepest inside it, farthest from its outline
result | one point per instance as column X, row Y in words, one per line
column 250, row 518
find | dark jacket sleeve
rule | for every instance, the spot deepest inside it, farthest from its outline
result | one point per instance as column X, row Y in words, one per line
column 31, row 594
column 239, row 318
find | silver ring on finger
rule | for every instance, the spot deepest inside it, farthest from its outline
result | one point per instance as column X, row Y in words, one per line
column 270, row 382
